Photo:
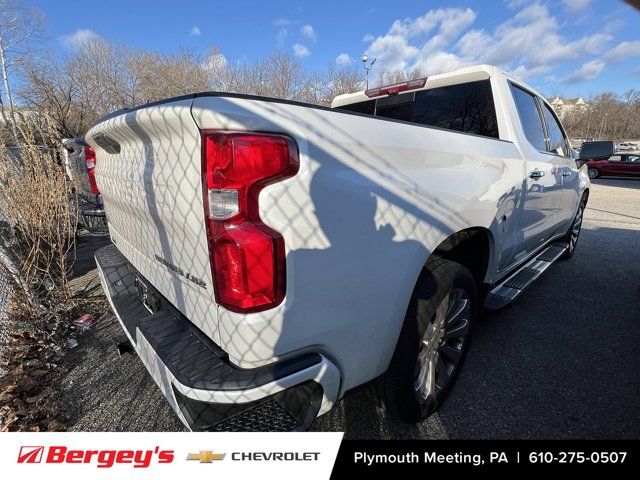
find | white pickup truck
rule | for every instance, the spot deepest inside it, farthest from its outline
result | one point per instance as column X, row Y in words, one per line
column 268, row 256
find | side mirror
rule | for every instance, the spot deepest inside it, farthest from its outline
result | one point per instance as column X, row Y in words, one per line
column 597, row 150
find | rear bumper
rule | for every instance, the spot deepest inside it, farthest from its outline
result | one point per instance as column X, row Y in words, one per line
column 206, row 391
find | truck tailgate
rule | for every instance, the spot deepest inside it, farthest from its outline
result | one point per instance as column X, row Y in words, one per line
column 149, row 173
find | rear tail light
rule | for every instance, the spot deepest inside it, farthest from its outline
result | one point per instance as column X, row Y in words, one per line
column 90, row 157
column 247, row 257
column 90, row 162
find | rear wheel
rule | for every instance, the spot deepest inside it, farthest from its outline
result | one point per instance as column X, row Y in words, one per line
column 433, row 342
column 573, row 235
column 593, row 173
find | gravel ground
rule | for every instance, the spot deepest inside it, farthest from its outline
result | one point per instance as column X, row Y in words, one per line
column 561, row 362
column 102, row 391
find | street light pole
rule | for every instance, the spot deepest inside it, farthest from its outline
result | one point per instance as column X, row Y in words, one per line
column 364, row 64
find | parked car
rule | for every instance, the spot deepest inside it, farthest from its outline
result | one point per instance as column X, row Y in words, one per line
column 269, row 255
column 618, row 165
column 626, row 146
column 81, row 164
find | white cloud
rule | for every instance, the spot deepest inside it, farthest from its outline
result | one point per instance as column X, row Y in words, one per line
column 309, row 32
column 79, row 37
column 576, row 5
column 344, row 59
column 516, row 3
column 587, row 71
column 300, row 50
column 195, row 32
column 282, row 35
column 449, row 19
column 623, row 51
column 393, row 52
column 368, row 38
column 531, row 43
column 281, row 22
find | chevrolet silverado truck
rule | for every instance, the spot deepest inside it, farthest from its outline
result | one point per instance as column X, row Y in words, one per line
column 269, row 256
column 80, row 163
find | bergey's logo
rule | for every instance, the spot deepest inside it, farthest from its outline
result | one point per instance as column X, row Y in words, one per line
column 100, row 458
column 30, row 454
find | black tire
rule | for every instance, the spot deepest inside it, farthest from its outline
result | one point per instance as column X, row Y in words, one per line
column 397, row 389
column 593, row 173
column 568, row 238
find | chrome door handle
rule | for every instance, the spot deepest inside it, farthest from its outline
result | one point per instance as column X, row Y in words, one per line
column 566, row 174
column 536, row 174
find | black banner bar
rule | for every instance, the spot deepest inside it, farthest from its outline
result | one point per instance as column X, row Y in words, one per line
column 394, row 457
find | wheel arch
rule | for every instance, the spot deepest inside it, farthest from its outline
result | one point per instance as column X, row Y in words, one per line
column 472, row 248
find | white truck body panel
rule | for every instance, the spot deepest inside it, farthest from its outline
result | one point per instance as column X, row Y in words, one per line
column 154, row 191
column 372, row 200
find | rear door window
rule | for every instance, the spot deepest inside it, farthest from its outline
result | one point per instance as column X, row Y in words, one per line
column 466, row 107
column 368, row 107
column 398, row 107
column 529, row 117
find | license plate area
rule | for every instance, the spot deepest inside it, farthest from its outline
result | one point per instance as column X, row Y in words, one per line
column 147, row 295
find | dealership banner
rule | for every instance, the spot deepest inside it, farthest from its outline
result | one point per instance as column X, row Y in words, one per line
column 168, row 455
column 407, row 457
column 305, row 456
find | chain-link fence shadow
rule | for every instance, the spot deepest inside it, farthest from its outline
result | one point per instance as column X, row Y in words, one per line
column 358, row 221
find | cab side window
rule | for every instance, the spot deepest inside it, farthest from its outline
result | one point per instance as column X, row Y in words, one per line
column 615, row 158
column 558, row 144
column 529, row 117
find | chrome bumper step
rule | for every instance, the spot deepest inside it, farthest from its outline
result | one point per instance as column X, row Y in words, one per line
column 511, row 288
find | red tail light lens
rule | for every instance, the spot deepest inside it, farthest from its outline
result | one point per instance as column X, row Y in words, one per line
column 90, row 156
column 90, row 162
column 247, row 257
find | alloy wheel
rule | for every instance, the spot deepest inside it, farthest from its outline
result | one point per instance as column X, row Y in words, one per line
column 575, row 229
column 442, row 344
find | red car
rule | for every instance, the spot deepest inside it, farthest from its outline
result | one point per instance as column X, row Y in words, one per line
column 618, row 165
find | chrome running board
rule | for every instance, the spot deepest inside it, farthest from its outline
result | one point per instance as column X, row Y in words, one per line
column 511, row 288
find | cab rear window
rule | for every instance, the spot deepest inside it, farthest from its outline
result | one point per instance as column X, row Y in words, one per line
column 465, row 107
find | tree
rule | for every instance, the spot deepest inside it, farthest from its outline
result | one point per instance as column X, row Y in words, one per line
column 19, row 26
column 340, row 80
column 57, row 95
column 100, row 77
column 608, row 117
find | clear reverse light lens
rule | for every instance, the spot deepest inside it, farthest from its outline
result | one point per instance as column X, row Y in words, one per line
column 223, row 203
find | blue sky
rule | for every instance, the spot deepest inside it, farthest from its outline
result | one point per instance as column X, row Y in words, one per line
column 566, row 47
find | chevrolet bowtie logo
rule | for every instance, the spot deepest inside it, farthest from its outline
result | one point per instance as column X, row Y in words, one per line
column 206, row 456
